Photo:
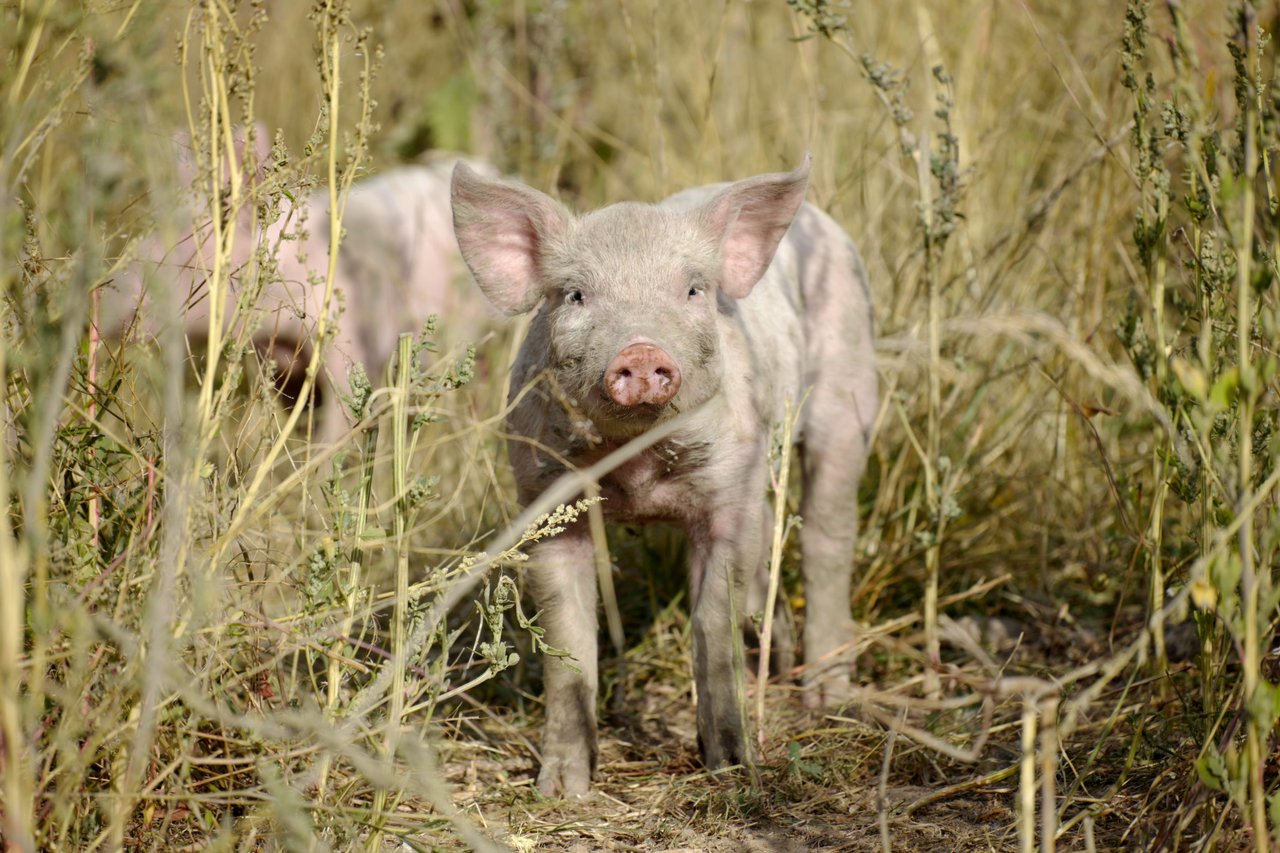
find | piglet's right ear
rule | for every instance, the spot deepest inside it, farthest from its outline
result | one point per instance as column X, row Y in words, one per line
column 502, row 229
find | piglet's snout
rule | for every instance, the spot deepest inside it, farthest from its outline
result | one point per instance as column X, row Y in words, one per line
column 642, row 373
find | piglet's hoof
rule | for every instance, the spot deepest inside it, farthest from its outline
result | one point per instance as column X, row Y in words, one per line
column 561, row 777
column 828, row 690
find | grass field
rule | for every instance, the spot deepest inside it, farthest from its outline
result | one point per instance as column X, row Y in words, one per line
column 216, row 635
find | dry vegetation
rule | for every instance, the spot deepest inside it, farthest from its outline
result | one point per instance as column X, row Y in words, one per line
column 215, row 636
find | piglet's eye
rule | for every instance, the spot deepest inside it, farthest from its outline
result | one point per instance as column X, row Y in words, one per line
column 573, row 297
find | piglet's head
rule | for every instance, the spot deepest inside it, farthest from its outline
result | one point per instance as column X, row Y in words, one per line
column 632, row 295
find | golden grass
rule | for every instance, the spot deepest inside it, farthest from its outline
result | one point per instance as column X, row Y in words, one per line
column 213, row 635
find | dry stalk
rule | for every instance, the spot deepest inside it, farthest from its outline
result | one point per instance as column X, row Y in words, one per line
column 882, row 792
column 604, row 576
column 780, row 527
column 19, row 814
column 1258, row 729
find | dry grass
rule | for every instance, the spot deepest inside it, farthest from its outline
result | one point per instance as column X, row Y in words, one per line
column 213, row 635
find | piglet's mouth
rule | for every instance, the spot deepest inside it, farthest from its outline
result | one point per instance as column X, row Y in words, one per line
column 641, row 414
column 622, row 423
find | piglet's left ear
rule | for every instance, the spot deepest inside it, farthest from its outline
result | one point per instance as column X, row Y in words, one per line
column 749, row 218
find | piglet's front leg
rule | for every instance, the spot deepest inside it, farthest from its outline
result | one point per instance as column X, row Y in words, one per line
column 561, row 573
column 722, row 554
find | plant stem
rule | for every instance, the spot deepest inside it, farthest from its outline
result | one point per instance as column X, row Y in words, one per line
column 775, row 564
column 1256, row 729
column 18, row 816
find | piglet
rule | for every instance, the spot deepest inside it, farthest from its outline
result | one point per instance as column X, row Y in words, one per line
column 398, row 263
column 719, row 305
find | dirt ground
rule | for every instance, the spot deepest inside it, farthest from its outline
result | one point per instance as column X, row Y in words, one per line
column 818, row 785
